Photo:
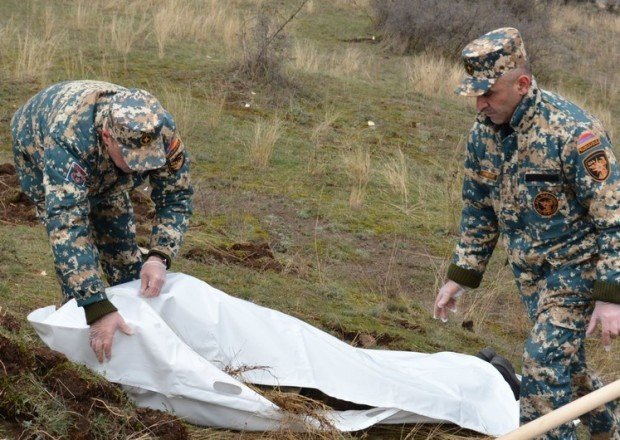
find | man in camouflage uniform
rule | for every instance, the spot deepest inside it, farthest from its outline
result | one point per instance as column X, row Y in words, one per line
column 541, row 172
column 79, row 147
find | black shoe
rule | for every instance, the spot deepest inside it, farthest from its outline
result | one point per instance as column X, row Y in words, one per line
column 486, row 354
column 505, row 368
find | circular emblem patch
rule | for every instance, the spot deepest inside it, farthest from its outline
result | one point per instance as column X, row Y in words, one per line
column 145, row 139
column 546, row 204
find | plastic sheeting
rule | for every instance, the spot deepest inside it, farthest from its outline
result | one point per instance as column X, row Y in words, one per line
column 185, row 339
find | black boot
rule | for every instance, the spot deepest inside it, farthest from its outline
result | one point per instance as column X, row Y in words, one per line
column 507, row 371
column 486, row 354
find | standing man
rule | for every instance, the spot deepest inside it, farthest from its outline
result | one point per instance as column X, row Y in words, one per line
column 541, row 172
column 79, row 147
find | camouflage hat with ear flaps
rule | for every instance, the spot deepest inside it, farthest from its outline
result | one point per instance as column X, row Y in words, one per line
column 135, row 121
column 489, row 57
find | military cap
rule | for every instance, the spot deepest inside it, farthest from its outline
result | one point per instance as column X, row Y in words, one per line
column 135, row 121
column 489, row 57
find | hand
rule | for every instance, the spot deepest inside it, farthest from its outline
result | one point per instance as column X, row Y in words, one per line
column 609, row 316
column 446, row 299
column 102, row 333
column 153, row 276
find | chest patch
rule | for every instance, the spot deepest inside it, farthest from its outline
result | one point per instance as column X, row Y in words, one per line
column 586, row 141
column 546, row 204
column 489, row 175
column 597, row 166
column 76, row 174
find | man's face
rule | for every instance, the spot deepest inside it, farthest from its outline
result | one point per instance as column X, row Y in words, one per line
column 501, row 100
column 114, row 150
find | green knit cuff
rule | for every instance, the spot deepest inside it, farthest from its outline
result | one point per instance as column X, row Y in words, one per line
column 160, row 254
column 464, row 277
column 606, row 291
column 98, row 309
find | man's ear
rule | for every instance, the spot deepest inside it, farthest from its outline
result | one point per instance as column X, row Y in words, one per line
column 523, row 84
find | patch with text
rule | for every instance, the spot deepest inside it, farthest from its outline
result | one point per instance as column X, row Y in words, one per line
column 586, row 141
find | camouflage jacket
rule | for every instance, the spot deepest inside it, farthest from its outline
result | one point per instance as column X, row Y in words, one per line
column 548, row 182
column 58, row 130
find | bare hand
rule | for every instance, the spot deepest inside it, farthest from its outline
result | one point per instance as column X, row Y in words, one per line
column 102, row 334
column 153, row 276
column 608, row 314
column 446, row 300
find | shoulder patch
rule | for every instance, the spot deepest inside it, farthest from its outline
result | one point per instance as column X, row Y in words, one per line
column 173, row 147
column 586, row 141
column 76, row 174
column 175, row 163
column 597, row 165
column 174, row 154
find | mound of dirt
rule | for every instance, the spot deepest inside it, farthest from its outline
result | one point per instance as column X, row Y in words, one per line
column 15, row 207
column 258, row 256
column 40, row 384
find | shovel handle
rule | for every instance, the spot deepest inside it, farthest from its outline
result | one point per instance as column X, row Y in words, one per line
column 565, row 413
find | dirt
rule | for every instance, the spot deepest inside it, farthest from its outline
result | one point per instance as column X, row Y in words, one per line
column 15, row 207
column 84, row 398
column 9, row 322
column 257, row 256
column 364, row 339
column 388, row 267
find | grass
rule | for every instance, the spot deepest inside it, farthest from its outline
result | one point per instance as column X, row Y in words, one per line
column 362, row 219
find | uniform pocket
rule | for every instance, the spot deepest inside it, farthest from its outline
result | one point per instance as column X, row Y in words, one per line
column 545, row 205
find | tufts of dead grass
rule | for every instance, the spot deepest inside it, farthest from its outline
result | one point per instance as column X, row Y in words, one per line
column 395, row 172
column 434, row 75
column 342, row 63
column 266, row 135
column 34, row 56
column 357, row 166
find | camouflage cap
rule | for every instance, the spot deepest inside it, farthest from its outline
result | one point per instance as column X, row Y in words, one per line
column 489, row 57
column 135, row 121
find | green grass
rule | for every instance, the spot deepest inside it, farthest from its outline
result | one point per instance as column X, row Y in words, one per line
column 368, row 270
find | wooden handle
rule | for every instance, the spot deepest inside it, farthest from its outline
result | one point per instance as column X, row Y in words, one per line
column 566, row 413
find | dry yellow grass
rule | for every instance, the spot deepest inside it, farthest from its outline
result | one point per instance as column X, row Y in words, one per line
column 395, row 171
column 433, row 75
column 34, row 56
column 357, row 165
column 180, row 104
column 342, row 63
column 165, row 21
column 266, row 134
column 125, row 30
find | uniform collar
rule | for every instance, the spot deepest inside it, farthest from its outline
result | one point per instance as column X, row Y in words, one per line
column 523, row 115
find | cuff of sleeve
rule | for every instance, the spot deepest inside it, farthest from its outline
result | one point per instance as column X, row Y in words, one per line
column 464, row 277
column 98, row 309
column 606, row 291
column 163, row 255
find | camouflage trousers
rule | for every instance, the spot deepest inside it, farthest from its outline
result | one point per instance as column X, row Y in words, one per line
column 555, row 373
column 112, row 226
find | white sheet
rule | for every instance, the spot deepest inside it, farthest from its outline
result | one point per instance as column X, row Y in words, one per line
column 184, row 338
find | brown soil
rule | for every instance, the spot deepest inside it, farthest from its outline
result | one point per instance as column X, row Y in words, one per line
column 15, row 207
column 9, row 322
column 363, row 339
column 84, row 398
column 253, row 255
